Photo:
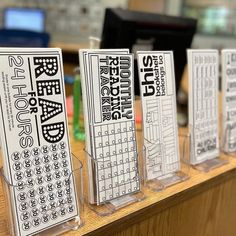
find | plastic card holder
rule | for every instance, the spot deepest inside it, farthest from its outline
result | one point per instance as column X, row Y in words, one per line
column 207, row 164
column 108, row 207
column 175, row 177
column 160, row 132
column 61, row 207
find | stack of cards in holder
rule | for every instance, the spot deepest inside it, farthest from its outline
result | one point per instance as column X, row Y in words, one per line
column 160, row 132
column 108, row 94
column 35, row 142
column 203, row 104
column 229, row 99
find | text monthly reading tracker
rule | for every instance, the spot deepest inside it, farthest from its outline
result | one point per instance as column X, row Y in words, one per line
column 107, row 83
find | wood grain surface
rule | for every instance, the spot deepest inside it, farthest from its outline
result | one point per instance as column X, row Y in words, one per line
column 204, row 205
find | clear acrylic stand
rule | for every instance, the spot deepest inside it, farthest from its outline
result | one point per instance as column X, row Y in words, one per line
column 207, row 164
column 164, row 181
column 210, row 164
column 73, row 224
column 111, row 206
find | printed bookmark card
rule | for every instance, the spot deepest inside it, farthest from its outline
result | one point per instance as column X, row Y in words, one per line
column 160, row 133
column 229, row 99
column 203, row 68
column 107, row 85
column 34, row 137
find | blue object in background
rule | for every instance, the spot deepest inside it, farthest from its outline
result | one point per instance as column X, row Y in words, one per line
column 69, row 79
column 23, row 38
column 31, row 19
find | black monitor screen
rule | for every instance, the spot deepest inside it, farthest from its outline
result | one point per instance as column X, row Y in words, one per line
column 148, row 31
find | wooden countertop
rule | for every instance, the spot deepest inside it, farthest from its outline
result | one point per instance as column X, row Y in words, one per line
column 154, row 202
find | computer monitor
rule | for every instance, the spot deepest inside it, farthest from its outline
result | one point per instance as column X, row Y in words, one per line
column 149, row 31
column 32, row 19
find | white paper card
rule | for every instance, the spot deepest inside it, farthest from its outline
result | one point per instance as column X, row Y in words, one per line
column 35, row 140
column 160, row 133
column 203, row 68
column 107, row 85
column 229, row 99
